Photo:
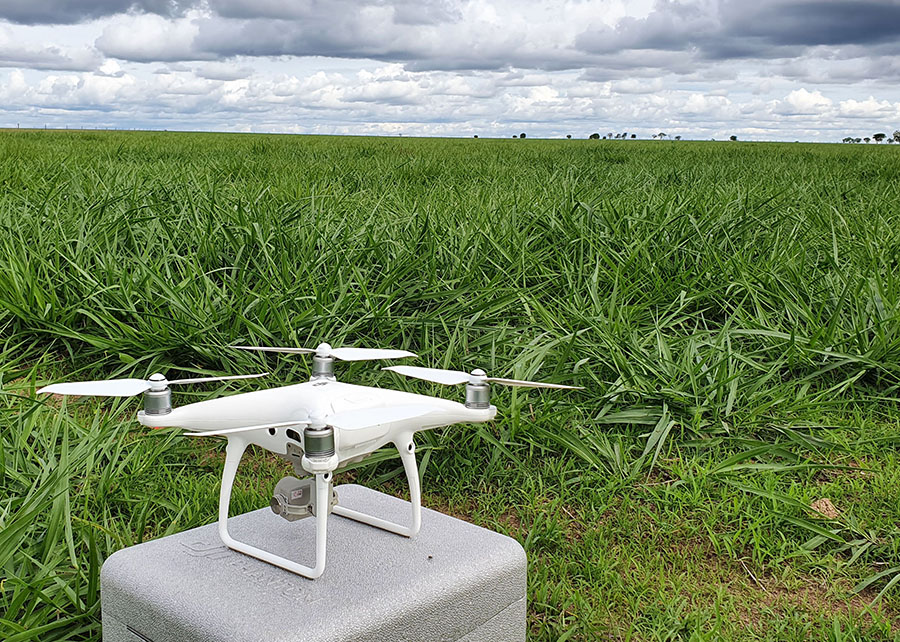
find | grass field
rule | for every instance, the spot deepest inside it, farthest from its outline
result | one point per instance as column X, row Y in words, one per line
column 731, row 308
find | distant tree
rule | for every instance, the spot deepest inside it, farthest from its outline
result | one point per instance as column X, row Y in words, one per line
column 879, row 137
column 661, row 135
column 634, row 135
column 610, row 135
column 896, row 136
column 594, row 136
column 624, row 134
column 678, row 137
column 476, row 135
column 732, row 137
column 867, row 139
column 568, row 135
column 847, row 139
column 857, row 140
column 604, row 138
column 522, row 135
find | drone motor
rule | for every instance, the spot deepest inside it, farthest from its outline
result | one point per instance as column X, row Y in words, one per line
column 478, row 395
column 158, row 399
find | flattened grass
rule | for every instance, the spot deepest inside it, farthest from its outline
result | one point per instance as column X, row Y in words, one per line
column 731, row 308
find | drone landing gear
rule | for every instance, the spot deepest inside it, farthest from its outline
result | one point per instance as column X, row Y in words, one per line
column 407, row 450
column 233, row 453
column 234, row 450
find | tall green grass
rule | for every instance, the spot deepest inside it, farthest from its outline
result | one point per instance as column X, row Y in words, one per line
column 703, row 294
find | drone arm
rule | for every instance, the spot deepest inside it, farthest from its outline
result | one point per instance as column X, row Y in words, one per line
column 233, row 453
column 407, row 450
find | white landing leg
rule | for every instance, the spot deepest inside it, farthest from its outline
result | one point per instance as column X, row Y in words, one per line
column 407, row 450
column 233, row 453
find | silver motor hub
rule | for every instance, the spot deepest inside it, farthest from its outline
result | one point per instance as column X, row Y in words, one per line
column 478, row 395
column 323, row 367
column 158, row 399
column 318, row 441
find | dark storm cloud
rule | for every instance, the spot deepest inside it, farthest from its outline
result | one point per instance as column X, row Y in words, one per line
column 698, row 32
column 768, row 29
column 815, row 22
column 343, row 35
column 32, row 12
column 409, row 12
column 677, row 37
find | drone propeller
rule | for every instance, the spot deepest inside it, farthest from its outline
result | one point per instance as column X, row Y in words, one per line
column 129, row 387
column 344, row 354
column 456, row 377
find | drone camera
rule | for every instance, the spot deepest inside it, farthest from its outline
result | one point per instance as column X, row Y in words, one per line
column 295, row 499
column 478, row 395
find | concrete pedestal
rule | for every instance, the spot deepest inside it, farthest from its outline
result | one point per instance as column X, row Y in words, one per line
column 454, row 581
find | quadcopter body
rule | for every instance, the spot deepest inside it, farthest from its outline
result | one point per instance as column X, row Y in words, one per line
column 319, row 426
column 395, row 413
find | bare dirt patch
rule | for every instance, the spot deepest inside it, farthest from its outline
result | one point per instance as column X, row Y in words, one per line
column 758, row 595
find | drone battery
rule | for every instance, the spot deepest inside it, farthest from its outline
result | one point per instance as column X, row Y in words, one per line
column 453, row 581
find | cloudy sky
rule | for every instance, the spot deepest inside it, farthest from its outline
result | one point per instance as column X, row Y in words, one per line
column 760, row 69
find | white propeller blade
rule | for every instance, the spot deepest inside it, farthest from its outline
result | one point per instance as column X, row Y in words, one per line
column 271, row 349
column 344, row 354
column 435, row 375
column 531, row 384
column 368, row 417
column 455, row 377
column 232, row 431
column 128, row 387
column 365, row 354
column 110, row 388
column 208, row 379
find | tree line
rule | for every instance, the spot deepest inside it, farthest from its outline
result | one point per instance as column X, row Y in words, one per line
column 894, row 138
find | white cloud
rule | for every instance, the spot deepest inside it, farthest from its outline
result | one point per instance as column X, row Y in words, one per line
column 637, row 86
column 704, row 104
column 223, row 71
column 547, row 67
column 148, row 37
column 14, row 52
column 802, row 101
column 110, row 68
column 869, row 108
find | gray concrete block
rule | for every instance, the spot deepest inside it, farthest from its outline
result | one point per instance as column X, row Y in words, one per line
column 455, row 581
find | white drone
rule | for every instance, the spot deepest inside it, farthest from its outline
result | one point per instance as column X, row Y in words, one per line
column 318, row 426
